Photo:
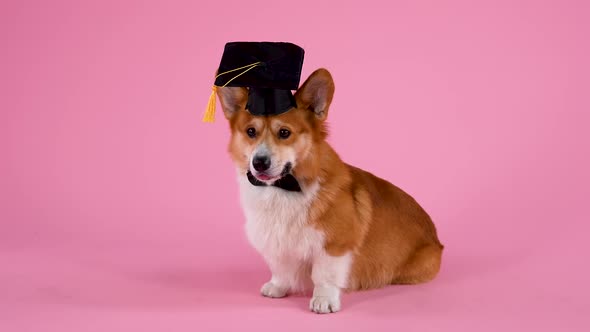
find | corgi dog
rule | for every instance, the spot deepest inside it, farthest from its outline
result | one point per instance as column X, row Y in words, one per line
column 318, row 222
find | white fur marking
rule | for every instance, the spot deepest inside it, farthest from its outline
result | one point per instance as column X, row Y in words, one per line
column 276, row 225
column 331, row 270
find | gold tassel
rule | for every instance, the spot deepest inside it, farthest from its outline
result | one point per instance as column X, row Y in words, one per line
column 210, row 111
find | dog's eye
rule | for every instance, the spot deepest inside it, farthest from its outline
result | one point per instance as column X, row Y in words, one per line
column 284, row 133
column 251, row 132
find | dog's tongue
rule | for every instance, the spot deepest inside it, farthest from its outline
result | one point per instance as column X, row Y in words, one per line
column 263, row 177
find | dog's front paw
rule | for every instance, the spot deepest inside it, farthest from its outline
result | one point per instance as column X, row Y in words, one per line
column 324, row 304
column 271, row 290
column 325, row 300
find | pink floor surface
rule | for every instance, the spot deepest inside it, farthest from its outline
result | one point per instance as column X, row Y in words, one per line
column 119, row 209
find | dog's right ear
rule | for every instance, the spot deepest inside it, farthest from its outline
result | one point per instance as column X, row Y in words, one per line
column 232, row 99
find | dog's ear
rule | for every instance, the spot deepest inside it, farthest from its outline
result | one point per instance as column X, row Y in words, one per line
column 316, row 93
column 232, row 99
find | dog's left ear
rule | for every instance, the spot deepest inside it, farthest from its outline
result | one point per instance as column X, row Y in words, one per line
column 316, row 93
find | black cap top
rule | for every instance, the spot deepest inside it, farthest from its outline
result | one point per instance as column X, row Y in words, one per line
column 270, row 70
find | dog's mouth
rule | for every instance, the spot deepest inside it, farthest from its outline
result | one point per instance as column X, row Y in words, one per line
column 264, row 176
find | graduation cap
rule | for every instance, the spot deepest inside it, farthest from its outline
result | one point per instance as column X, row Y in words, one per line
column 270, row 71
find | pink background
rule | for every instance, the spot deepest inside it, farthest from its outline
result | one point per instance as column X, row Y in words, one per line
column 119, row 209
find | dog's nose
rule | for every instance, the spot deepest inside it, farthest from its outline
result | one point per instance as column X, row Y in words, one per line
column 261, row 163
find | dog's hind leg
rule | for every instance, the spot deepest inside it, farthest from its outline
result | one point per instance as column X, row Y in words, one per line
column 422, row 266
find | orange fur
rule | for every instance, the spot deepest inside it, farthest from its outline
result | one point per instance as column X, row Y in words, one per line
column 393, row 240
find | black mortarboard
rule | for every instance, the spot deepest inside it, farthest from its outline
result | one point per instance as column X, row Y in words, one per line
column 269, row 70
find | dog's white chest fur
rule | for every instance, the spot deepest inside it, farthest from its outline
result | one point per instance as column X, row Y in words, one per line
column 277, row 226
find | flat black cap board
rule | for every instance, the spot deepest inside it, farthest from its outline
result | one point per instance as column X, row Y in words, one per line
column 270, row 71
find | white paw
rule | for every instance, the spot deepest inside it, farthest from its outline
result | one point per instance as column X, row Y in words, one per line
column 324, row 304
column 271, row 290
column 326, row 299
